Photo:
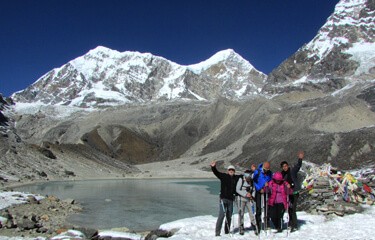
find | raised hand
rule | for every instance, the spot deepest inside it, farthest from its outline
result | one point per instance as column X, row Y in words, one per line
column 301, row 155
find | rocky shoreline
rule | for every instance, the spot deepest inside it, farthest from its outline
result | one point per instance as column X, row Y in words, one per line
column 37, row 217
column 46, row 217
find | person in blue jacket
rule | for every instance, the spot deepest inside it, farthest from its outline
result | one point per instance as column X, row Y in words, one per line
column 262, row 175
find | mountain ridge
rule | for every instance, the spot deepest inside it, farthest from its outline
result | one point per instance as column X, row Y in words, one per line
column 104, row 76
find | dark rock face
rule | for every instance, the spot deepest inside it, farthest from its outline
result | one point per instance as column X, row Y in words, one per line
column 48, row 153
column 336, row 64
column 126, row 145
column 4, row 104
column 369, row 96
column 3, row 120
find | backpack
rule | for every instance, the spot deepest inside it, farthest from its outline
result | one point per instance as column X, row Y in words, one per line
column 235, row 187
column 243, row 180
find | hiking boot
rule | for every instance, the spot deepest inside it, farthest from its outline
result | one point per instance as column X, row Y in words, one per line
column 242, row 230
column 279, row 230
column 293, row 229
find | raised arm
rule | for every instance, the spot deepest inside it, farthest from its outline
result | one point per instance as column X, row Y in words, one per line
column 297, row 166
column 215, row 171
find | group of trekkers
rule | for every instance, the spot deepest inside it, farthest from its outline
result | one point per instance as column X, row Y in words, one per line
column 264, row 194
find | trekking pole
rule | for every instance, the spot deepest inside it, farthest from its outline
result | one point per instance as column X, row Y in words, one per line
column 225, row 215
column 287, row 215
column 232, row 230
column 256, row 225
column 266, row 212
column 241, row 213
column 263, row 212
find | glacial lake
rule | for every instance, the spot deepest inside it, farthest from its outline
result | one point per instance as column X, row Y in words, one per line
column 137, row 204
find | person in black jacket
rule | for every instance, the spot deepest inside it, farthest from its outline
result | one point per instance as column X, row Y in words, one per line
column 291, row 176
column 227, row 194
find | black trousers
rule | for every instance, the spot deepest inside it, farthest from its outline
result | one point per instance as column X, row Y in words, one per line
column 276, row 214
column 258, row 203
column 225, row 211
column 292, row 211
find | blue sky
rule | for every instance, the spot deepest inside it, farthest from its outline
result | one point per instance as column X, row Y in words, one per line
column 39, row 35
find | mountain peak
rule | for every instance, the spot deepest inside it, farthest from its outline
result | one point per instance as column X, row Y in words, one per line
column 224, row 54
column 228, row 55
column 100, row 49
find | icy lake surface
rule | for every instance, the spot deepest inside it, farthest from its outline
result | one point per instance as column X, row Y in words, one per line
column 135, row 204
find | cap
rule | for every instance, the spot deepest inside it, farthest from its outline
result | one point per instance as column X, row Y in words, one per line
column 231, row 167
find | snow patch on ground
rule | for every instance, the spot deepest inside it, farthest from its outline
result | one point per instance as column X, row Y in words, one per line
column 10, row 198
column 311, row 227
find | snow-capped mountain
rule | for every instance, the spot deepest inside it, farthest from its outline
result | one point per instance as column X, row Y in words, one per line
column 105, row 77
column 342, row 51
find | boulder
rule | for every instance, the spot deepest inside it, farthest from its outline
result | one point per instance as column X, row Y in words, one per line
column 69, row 201
column 155, row 234
column 25, row 224
column 90, row 233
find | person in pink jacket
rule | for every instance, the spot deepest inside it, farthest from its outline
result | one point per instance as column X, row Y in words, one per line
column 278, row 200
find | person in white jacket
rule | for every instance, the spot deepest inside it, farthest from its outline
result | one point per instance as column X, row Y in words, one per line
column 245, row 199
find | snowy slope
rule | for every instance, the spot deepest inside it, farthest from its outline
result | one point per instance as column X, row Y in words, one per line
column 349, row 14
column 350, row 27
column 342, row 52
column 311, row 227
